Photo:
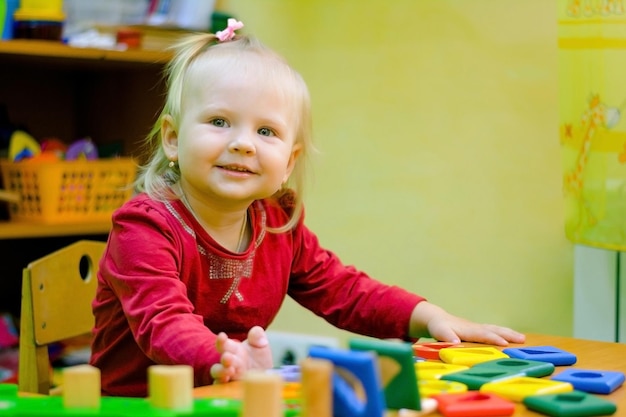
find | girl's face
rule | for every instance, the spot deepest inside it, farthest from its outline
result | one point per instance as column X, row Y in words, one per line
column 235, row 142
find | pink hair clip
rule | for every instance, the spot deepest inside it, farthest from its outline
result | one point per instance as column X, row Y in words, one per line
column 229, row 33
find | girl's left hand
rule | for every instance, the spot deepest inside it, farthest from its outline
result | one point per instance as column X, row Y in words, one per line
column 446, row 327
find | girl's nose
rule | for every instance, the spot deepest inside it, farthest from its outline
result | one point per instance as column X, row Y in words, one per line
column 242, row 142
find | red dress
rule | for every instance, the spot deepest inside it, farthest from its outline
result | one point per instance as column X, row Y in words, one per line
column 166, row 288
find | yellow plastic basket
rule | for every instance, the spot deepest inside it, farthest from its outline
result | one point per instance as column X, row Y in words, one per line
column 68, row 191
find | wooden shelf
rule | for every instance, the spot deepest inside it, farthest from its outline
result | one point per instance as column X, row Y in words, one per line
column 50, row 49
column 23, row 230
column 67, row 90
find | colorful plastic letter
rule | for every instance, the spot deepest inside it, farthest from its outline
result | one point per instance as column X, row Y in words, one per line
column 435, row 370
column 396, row 365
column 473, row 404
column 431, row 350
column 523, row 367
column 518, row 388
column 476, row 378
column 597, row 382
column 361, row 365
column 432, row 387
column 551, row 354
column 575, row 403
column 470, row 356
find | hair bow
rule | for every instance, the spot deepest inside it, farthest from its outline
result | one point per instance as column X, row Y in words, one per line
column 229, row 33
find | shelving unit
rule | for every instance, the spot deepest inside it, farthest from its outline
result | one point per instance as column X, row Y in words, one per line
column 24, row 230
column 37, row 49
column 56, row 91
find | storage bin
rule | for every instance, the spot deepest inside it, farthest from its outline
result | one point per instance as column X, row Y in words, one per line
column 77, row 191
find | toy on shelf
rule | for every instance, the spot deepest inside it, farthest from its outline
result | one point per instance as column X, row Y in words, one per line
column 81, row 149
column 22, row 146
column 53, row 146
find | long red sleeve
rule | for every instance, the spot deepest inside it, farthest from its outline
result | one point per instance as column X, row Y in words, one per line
column 166, row 288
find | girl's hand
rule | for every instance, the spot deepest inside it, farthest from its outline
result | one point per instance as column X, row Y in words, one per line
column 239, row 357
column 446, row 327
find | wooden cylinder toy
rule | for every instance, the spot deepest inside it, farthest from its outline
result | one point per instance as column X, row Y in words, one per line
column 171, row 387
column 81, row 387
column 317, row 389
column 262, row 395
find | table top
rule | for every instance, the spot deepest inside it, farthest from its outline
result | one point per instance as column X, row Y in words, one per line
column 591, row 355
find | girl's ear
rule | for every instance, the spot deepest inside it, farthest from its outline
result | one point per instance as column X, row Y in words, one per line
column 295, row 153
column 169, row 137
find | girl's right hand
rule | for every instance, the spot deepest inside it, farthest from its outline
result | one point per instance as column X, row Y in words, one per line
column 239, row 357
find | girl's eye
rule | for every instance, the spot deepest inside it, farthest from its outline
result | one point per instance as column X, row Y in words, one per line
column 264, row 131
column 219, row 122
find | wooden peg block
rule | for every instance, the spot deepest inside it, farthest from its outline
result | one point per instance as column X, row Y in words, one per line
column 317, row 389
column 171, row 386
column 262, row 395
column 81, row 387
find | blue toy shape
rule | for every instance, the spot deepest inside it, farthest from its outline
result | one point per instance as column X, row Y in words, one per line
column 556, row 356
column 596, row 382
column 361, row 365
column 397, row 367
column 574, row 404
column 289, row 373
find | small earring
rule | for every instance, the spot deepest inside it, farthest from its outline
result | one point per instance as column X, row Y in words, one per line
column 171, row 164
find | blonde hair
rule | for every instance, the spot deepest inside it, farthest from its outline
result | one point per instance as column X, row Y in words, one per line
column 156, row 176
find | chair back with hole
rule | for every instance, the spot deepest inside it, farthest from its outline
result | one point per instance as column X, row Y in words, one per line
column 57, row 292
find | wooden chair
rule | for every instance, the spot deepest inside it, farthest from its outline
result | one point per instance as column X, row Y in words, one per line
column 57, row 291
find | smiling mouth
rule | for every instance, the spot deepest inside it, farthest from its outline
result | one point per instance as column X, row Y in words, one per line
column 235, row 168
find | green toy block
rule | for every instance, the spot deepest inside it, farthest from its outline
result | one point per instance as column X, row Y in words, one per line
column 523, row 367
column 8, row 390
column 14, row 405
column 498, row 370
column 401, row 390
column 570, row 404
column 476, row 378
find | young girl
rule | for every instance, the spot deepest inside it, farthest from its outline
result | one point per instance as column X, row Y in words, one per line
column 198, row 264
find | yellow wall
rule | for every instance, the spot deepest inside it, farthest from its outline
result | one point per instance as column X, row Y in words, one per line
column 437, row 122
